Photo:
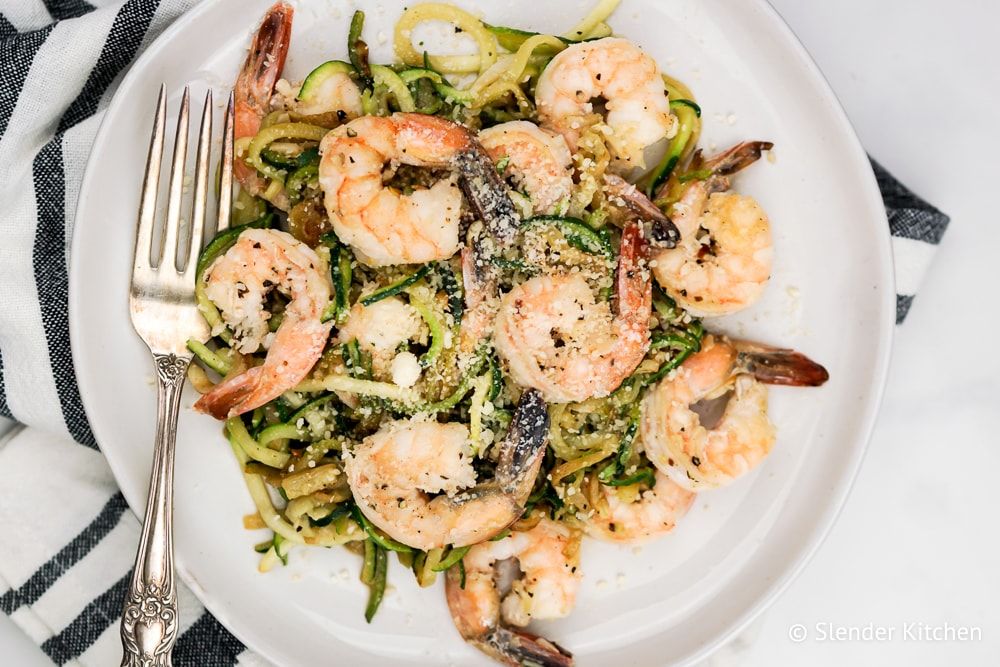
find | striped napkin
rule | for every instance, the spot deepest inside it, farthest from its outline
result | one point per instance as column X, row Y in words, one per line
column 66, row 539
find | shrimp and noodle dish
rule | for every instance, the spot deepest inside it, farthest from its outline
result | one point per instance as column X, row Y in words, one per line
column 461, row 318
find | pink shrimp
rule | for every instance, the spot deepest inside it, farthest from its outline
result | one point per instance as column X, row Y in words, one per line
column 731, row 373
column 722, row 263
column 536, row 159
column 385, row 226
column 548, row 560
column 557, row 338
column 654, row 513
column 238, row 282
column 255, row 85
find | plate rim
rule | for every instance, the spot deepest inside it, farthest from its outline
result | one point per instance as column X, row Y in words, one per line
column 820, row 530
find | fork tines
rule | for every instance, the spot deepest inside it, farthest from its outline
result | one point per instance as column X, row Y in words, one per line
column 180, row 247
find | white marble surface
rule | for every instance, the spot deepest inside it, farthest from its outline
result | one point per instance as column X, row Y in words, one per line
column 918, row 540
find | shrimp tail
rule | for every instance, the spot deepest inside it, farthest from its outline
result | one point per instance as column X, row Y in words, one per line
column 225, row 396
column 255, row 84
column 663, row 233
column 476, row 618
column 523, row 447
column 516, row 647
column 635, row 288
column 737, row 158
column 479, row 280
column 772, row 365
column 263, row 66
column 727, row 163
column 487, row 193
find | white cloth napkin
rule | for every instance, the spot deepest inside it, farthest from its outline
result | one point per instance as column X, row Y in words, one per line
column 66, row 556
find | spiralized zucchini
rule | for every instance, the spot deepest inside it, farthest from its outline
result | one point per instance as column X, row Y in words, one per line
column 272, row 133
column 507, row 74
column 469, row 24
column 593, row 24
column 292, row 450
column 351, row 385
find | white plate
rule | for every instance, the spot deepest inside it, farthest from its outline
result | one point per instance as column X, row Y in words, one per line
column 671, row 601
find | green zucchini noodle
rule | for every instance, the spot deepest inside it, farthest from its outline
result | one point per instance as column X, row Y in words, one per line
column 593, row 24
column 434, row 11
column 493, row 84
column 292, row 450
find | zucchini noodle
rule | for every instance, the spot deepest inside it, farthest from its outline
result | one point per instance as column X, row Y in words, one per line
column 246, row 208
column 662, row 182
column 469, row 24
column 575, row 465
column 199, row 379
column 211, row 314
column 240, row 437
column 278, row 432
column 214, row 361
column 395, row 85
column 592, row 159
column 351, row 385
column 241, row 145
column 479, row 397
column 274, row 190
column 495, row 83
column 262, row 498
column 425, row 567
column 593, row 23
column 676, row 91
column 273, row 519
column 434, row 323
column 299, row 131
column 447, row 92
column 274, row 118
column 599, row 31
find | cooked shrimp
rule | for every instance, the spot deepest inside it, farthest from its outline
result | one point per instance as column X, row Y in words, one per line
column 380, row 329
column 548, row 559
column 337, row 99
column 387, row 227
column 238, row 282
column 625, row 202
column 723, row 261
column 255, row 85
column 626, row 79
column 655, row 513
column 392, row 472
column 556, row 338
column 480, row 284
column 536, row 160
column 724, row 374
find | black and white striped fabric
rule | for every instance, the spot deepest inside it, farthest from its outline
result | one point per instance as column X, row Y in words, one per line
column 916, row 228
column 66, row 539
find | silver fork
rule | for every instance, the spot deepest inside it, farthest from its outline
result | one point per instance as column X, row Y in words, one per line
column 164, row 314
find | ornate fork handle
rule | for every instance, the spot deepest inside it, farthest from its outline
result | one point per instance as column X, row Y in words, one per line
column 149, row 621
